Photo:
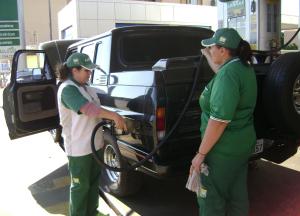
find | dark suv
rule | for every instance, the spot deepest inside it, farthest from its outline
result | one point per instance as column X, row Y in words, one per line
column 146, row 74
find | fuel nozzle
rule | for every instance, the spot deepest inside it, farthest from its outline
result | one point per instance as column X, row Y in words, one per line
column 129, row 124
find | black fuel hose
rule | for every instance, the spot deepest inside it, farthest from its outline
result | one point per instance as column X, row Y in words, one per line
column 158, row 146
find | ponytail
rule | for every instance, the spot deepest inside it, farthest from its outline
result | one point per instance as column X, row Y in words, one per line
column 243, row 52
column 62, row 71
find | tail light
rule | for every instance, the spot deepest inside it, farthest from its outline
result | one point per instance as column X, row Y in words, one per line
column 160, row 122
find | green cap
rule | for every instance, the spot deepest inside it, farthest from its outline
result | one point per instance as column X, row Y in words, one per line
column 225, row 37
column 80, row 59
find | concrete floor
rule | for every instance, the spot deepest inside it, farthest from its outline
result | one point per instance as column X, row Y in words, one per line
column 34, row 181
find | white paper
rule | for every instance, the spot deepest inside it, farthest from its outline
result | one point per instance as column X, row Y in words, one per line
column 194, row 181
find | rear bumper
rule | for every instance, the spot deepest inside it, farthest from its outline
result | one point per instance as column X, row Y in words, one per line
column 175, row 156
column 163, row 171
column 278, row 150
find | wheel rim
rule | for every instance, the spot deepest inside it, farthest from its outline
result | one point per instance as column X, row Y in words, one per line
column 110, row 158
column 296, row 94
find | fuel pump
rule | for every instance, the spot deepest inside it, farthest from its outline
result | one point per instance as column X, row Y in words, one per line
column 257, row 21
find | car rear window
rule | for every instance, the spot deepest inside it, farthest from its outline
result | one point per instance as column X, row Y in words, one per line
column 148, row 49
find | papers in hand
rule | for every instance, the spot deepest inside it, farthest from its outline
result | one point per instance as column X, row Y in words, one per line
column 194, row 181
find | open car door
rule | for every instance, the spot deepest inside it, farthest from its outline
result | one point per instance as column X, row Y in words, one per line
column 29, row 101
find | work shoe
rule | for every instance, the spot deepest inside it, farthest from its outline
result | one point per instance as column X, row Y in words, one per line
column 101, row 214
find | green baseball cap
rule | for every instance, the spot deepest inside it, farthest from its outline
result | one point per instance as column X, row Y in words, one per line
column 80, row 59
column 225, row 37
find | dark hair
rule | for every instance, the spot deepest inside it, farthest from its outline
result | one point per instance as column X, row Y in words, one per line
column 63, row 72
column 243, row 52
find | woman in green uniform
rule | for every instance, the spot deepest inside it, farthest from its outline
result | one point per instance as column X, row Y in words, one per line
column 227, row 130
column 80, row 111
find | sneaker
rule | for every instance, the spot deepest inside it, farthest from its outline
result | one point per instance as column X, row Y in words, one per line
column 101, row 214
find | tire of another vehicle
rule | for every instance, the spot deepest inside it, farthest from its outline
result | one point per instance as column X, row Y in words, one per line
column 280, row 93
column 119, row 184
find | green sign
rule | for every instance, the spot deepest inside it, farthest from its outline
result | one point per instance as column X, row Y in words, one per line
column 9, row 25
column 9, row 42
column 8, row 10
column 9, row 34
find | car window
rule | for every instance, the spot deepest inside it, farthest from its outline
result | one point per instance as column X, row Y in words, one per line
column 103, row 51
column 32, row 67
column 89, row 50
column 148, row 49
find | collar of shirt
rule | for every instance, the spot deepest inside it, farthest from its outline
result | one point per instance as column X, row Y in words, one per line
column 229, row 61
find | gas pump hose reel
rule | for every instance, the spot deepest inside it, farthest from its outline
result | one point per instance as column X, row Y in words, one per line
column 158, row 146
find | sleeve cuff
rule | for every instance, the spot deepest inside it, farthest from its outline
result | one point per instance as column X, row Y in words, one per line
column 220, row 120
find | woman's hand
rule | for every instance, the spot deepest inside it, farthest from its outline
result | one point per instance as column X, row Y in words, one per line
column 196, row 163
column 208, row 57
column 119, row 122
column 206, row 52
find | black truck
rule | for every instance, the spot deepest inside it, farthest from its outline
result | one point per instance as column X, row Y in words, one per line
column 146, row 74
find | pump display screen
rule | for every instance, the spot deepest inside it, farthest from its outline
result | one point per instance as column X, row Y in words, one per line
column 236, row 8
column 238, row 23
column 236, row 14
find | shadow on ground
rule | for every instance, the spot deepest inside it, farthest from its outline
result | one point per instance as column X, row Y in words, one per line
column 163, row 197
column 52, row 191
column 273, row 191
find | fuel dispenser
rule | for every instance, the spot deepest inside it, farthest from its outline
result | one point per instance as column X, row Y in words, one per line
column 257, row 21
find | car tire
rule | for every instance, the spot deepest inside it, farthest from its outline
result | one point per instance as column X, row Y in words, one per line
column 281, row 93
column 119, row 184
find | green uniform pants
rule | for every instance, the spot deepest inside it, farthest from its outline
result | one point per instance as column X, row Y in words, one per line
column 224, row 187
column 84, row 195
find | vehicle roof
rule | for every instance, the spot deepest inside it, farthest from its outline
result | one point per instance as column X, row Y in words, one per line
column 140, row 28
column 53, row 43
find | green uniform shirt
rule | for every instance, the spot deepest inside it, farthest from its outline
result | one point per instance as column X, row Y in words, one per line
column 72, row 98
column 231, row 97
